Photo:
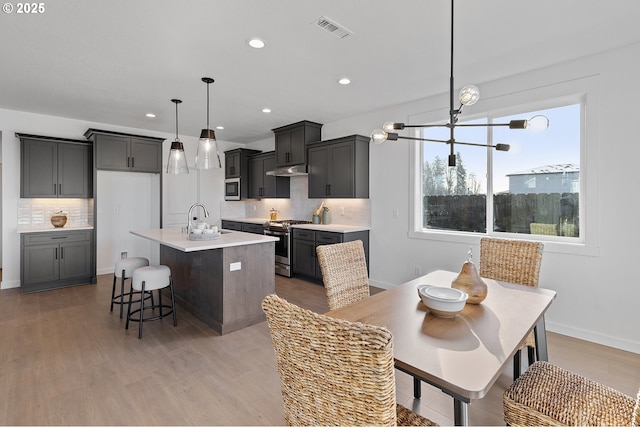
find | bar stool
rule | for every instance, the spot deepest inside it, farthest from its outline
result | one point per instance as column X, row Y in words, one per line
column 148, row 279
column 124, row 270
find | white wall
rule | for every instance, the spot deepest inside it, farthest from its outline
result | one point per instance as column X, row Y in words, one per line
column 598, row 294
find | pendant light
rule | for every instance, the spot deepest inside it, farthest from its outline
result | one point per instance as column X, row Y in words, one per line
column 177, row 163
column 207, row 156
column 469, row 95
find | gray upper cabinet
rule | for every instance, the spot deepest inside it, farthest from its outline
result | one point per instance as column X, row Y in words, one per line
column 339, row 168
column 124, row 152
column 291, row 141
column 54, row 167
column 263, row 185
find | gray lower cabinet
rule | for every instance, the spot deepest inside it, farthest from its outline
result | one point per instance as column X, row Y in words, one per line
column 123, row 152
column 247, row 227
column 56, row 259
column 231, row 225
column 339, row 168
column 305, row 261
column 55, row 167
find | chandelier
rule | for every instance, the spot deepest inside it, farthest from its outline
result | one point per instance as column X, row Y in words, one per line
column 468, row 95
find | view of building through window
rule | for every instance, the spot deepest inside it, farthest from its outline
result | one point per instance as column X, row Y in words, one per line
column 533, row 188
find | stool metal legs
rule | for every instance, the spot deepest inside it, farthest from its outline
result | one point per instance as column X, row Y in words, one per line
column 141, row 319
column 115, row 299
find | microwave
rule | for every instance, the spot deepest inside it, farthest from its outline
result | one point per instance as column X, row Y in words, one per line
column 232, row 189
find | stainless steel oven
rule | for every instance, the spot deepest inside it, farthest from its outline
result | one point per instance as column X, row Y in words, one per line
column 232, row 189
column 282, row 230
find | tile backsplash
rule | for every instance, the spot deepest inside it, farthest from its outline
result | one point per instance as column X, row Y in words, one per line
column 299, row 206
column 37, row 212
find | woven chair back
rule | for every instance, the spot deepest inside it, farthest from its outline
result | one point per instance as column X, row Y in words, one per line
column 344, row 273
column 515, row 261
column 332, row 372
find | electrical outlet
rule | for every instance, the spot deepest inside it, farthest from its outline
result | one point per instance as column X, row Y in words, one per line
column 396, row 213
column 235, row 266
column 418, row 271
column 123, row 255
column 341, row 210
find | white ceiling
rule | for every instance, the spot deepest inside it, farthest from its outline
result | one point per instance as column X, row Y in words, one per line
column 113, row 61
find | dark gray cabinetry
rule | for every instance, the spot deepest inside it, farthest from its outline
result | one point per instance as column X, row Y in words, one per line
column 57, row 259
column 54, row 167
column 231, row 225
column 291, row 141
column 117, row 151
column 305, row 261
column 263, row 185
column 236, row 165
column 249, row 227
column 339, row 168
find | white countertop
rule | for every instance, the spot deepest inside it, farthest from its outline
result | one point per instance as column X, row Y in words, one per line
column 174, row 238
column 46, row 228
column 338, row 228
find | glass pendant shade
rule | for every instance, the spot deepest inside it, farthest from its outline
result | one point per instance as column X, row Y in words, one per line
column 207, row 156
column 378, row 136
column 177, row 163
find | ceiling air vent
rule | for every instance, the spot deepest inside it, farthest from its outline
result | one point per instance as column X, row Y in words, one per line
column 332, row 27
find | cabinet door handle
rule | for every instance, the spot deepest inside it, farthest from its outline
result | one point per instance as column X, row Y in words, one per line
column 56, row 253
column 327, row 189
column 59, row 189
column 133, row 162
column 55, row 189
column 58, row 237
column 128, row 161
column 61, row 253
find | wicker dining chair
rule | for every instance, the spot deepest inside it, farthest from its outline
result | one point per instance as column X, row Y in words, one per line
column 547, row 395
column 344, row 273
column 515, row 261
column 334, row 372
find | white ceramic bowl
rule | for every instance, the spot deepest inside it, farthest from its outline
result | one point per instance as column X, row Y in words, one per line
column 441, row 301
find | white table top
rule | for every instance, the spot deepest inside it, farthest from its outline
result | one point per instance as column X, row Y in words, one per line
column 174, row 238
column 463, row 355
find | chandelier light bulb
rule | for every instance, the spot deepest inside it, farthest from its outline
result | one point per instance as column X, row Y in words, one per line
column 469, row 95
column 538, row 123
column 378, row 136
column 388, row 126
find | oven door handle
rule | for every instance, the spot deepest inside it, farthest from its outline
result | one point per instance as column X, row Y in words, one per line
column 275, row 233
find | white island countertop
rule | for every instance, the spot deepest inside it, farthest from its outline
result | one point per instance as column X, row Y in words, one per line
column 174, row 238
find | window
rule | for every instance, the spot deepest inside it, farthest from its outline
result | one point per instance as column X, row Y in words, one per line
column 532, row 189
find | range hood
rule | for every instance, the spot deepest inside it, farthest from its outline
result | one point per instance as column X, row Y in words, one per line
column 295, row 170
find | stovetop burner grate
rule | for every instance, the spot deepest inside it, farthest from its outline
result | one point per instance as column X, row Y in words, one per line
column 281, row 224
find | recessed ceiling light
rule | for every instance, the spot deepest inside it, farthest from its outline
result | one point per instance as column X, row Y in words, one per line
column 344, row 81
column 256, row 43
column 266, row 110
column 151, row 115
column 220, row 127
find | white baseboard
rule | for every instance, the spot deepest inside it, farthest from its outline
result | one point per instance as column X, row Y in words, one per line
column 583, row 334
column 8, row 284
column 108, row 270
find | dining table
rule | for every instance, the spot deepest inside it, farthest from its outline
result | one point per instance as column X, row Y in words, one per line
column 463, row 355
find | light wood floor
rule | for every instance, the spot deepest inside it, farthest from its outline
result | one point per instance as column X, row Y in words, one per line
column 66, row 360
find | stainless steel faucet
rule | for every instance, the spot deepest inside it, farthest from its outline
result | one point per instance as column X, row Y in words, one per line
column 195, row 205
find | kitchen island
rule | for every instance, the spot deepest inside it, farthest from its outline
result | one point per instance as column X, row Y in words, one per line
column 221, row 282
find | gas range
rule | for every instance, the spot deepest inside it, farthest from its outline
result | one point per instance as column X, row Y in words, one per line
column 283, row 224
column 281, row 229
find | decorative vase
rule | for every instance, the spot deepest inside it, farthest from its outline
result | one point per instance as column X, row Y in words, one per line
column 59, row 219
column 469, row 281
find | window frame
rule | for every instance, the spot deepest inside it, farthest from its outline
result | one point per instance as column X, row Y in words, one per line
column 584, row 91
